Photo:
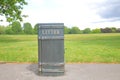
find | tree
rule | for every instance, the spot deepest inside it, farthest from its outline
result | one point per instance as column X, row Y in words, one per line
column 113, row 29
column 66, row 30
column 36, row 29
column 97, row 30
column 8, row 30
column 106, row 30
column 2, row 30
column 11, row 9
column 86, row 31
column 118, row 30
column 75, row 30
column 16, row 27
column 28, row 28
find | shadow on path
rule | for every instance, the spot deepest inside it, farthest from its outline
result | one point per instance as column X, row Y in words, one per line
column 33, row 68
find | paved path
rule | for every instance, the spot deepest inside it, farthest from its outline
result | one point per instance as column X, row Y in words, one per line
column 73, row 72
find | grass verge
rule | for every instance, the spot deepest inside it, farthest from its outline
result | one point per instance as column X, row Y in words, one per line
column 79, row 48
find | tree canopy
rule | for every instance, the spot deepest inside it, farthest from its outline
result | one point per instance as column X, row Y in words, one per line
column 36, row 29
column 66, row 30
column 28, row 28
column 16, row 27
column 11, row 9
column 86, row 30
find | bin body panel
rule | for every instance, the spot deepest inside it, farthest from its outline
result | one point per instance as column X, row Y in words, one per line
column 51, row 48
column 52, row 51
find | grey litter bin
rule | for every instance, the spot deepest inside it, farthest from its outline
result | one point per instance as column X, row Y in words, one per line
column 51, row 49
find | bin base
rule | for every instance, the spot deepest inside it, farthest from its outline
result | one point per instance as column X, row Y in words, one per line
column 51, row 70
column 51, row 73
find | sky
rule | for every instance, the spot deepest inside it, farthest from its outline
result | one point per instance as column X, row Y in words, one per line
column 80, row 13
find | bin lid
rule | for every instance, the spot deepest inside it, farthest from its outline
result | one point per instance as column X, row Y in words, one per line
column 51, row 25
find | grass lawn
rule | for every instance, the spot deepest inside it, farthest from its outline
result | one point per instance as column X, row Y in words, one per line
column 88, row 48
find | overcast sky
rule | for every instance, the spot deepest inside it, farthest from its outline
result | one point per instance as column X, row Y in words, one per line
column 80, row 13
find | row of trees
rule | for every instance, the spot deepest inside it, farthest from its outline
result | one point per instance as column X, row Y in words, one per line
column 16, row 28
column 76, row 30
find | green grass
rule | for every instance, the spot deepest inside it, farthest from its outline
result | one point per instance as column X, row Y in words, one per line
column 88, row 48
column 18, row 48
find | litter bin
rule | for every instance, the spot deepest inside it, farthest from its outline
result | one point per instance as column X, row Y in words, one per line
column 51, row 49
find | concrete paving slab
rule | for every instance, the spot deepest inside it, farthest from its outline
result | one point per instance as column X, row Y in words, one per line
column 73, row 72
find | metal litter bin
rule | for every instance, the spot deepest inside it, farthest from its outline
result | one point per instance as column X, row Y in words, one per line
column 51, row 49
